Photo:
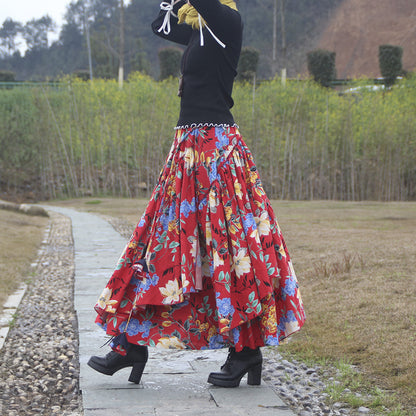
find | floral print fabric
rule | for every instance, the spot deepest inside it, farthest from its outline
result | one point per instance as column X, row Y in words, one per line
column 218, row 270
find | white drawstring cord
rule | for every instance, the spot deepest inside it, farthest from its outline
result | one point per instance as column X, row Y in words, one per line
column 168, row 7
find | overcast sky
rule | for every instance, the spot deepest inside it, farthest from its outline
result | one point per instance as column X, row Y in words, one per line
column 25, row 10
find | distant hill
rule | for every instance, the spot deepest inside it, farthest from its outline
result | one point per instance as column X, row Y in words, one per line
column 304, row 22
column 359, row 27
column 354, row 29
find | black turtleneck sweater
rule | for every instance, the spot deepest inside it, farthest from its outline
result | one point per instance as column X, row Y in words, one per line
column 208, row 71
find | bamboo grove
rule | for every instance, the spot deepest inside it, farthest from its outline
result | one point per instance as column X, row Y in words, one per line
column 309, row 142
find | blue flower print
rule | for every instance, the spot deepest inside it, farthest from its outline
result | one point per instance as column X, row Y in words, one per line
column 187, row 208
column 249, row 223
column 142, row 221
column 172, row 210
column 222, row 138
column 236, row 335
column 271, row 340
column 224, row 306
column 290, row 316
column 213, row 174
column 282, row 326
column 216, row 342
column 164, row 220
column 290, row 287
column 134, row 327
column 145, row 284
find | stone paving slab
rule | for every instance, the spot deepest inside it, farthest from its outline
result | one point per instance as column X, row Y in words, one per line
column 174, row 382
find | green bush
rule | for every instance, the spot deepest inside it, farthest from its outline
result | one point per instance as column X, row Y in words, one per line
column 82, row 74
column 249, row 61
column 170, row 62
column 309, row 142
column 390, row 61
column 7, row 76
column 321, row 65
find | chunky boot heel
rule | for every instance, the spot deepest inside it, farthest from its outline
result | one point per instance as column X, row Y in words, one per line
column 254, row 375
column 136, row 373
column 237, row 364
column 136, row 357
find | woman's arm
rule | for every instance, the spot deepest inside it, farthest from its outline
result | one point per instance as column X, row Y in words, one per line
column 221, row 19
column 178, row 33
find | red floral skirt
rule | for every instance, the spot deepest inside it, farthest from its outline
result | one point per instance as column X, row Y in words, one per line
column 218, row 270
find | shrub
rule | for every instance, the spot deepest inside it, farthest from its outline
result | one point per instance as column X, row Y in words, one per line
column 390, row 61
column 321, row 65
column 7, row 76
column 248, row 64
column 170, row 61
column 82, row 74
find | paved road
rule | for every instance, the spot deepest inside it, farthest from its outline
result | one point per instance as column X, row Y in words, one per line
column 174, row 382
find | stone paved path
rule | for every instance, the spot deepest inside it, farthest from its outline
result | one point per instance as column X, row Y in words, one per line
column 174, row 382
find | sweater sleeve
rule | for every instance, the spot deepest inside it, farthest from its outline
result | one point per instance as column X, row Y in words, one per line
column 178, row 33
column 221, row 19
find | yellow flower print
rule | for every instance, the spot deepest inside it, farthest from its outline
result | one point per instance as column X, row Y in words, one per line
column 171, row 343
column 255, row 234
column 189, row 158
column 237, row 159
column 226, row 323
column 282, row 251
column 208, row 233
column 173, row 226
column 213, row 200
column 253, row 176
column 212, row 331
column 171, row 292
column 235, row 227
column 133, row 244
column 263, row 223
column 228, row 213
column 104, row 301
column 237, row 190
column 241, row 262
column 259, row 191
column 104, row 297
column 166, row 324
column 203, row 327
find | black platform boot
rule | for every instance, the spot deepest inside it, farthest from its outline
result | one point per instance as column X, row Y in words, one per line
column 237, row 364
column 136, row 357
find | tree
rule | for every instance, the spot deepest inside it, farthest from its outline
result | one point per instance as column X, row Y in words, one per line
column 247, row 66
column 35, row 32
column 390, row 61
column 169, row 59
column 8, row 33
column 321, row 65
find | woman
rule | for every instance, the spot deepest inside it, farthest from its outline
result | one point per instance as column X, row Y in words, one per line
column 206, row 266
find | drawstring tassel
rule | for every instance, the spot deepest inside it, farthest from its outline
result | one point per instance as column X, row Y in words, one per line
column 168, row 7
column 120, row 340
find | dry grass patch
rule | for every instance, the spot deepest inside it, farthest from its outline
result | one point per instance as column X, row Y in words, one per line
column 356, row 265
column 19, row 240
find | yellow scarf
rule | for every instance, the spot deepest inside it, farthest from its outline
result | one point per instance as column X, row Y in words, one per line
column 189, row 15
